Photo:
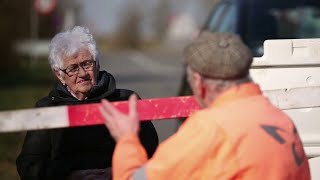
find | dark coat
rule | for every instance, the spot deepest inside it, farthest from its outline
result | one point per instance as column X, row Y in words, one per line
column 55, row 153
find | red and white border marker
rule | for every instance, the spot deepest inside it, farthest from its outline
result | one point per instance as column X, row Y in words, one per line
column 89, row 114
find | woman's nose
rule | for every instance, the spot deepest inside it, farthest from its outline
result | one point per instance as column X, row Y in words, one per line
column 82, row 72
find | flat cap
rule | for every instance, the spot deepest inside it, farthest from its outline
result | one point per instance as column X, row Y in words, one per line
column 218, row 55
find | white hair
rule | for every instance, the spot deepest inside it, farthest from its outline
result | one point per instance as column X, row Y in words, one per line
column 70, row 42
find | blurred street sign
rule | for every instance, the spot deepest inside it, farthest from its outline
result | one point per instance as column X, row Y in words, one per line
column 45, row 7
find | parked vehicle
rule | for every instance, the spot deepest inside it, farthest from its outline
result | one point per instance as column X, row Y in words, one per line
column 257, row 20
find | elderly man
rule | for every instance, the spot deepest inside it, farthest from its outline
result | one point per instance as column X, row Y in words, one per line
column 80, row 152
column 239, row 134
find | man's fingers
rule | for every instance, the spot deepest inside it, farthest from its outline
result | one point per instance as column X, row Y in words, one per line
column 108, row 107
column 107, row 111
column 133, row 105
column 107, row 116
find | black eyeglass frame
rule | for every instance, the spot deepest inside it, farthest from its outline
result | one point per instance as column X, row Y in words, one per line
column 82, row 64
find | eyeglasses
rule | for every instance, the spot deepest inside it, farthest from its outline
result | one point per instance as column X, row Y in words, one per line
column 73, row 69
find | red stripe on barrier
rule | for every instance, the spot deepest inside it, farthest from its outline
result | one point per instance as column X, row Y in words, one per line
column 149, row 109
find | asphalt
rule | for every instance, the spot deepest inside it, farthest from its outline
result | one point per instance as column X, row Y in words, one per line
column 152, row 74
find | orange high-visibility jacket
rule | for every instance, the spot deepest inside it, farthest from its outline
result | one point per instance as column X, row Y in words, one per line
column 240, row 136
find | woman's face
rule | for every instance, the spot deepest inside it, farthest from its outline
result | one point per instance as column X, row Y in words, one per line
column 81, row 82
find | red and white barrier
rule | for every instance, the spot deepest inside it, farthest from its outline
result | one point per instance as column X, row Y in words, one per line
column 288, row 73
column 88, row 114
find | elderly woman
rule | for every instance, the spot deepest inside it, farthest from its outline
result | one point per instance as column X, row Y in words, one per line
column 81, row 152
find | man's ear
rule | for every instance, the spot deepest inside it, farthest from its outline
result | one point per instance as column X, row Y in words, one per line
column 59, row 76
column 199, row 85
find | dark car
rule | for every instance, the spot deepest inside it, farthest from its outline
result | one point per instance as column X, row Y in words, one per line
column 257, row 20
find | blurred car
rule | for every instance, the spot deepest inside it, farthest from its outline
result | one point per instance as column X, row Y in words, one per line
column 257, row 20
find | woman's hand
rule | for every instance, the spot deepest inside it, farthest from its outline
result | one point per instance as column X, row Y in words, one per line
column 118, row 123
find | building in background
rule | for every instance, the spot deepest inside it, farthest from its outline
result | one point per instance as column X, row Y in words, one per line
column 146, row 20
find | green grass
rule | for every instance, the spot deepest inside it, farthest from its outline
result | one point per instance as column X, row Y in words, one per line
column 10, row 145
column 20, row 88
column 21, row 96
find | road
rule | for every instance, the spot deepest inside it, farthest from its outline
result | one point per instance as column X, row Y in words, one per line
column 151, row 74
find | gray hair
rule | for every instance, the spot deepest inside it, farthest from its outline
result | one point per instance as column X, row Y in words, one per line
column 222, row 84
column 66, row 44
column 217, row 86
